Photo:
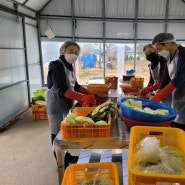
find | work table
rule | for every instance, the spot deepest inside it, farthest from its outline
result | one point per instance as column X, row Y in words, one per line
column 119, row 139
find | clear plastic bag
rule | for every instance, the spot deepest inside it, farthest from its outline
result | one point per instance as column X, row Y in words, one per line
column 97, row 180
column 150, row 157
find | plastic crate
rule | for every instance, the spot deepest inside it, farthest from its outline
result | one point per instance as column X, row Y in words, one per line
column 82, row 111
column 87, row 130
column 112, row 81
column 137, row 83
column 39, row 112
column 100, row 89
column 130, row 123
column 127, row 77
column 76, row 173
column 168, row 137
column 146, row 117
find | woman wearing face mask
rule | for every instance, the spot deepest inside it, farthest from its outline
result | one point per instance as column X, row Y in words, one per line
column 173, row 83
column 156, row 67
column 63, row 87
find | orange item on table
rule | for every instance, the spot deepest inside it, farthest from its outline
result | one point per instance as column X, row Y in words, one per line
column 127, row 88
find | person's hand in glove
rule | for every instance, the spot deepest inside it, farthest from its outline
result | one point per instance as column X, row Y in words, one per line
column 82, row 98
column 86, row 91
column 163, row 93
column 88, row 101
column 149, row 88
column 145, row 91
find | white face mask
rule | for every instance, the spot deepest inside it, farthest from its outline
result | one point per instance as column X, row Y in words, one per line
column 71, row 58
column 164, row 53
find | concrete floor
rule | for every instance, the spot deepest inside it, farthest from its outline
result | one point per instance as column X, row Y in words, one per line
column 26, row 156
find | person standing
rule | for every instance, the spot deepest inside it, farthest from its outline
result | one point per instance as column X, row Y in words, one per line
column 173, row 83
column 156, row 67
column 63, row 88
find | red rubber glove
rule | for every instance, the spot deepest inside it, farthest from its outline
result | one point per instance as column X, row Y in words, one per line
column 156, row 86
column 87, row 100
column 74, row 95
column 149, row 84
column 149, row 88
column 163, row 93
column 145, row 91
column 86, row 91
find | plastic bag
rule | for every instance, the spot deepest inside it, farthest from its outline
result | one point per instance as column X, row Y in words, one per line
column 96, row 180
column 150, row 157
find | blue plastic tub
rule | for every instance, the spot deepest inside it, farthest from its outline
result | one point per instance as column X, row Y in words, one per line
column 147, row 117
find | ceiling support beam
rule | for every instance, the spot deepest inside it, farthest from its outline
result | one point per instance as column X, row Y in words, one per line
column 135, row 31
column 22, row 5
column 45, row 6
column 14, row 12
column 166, row 16
column 74, row 23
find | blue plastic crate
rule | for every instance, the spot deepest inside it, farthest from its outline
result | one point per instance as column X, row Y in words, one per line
column 147, row 117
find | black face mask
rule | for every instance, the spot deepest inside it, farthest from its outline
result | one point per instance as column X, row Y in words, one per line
column 153, row 57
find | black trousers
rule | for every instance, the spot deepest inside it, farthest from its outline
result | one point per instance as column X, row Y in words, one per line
column 68, row 158
column 177, row 125
column 52, row 139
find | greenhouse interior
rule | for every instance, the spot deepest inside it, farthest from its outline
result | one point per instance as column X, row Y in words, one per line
column 114, row 77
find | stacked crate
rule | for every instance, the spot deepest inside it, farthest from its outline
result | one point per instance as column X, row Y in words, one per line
column 39, row 110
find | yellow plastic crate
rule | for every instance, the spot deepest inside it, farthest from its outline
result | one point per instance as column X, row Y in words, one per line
column 168, row 137
column 76, row 173
column 39, row 112
column 100, row 89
